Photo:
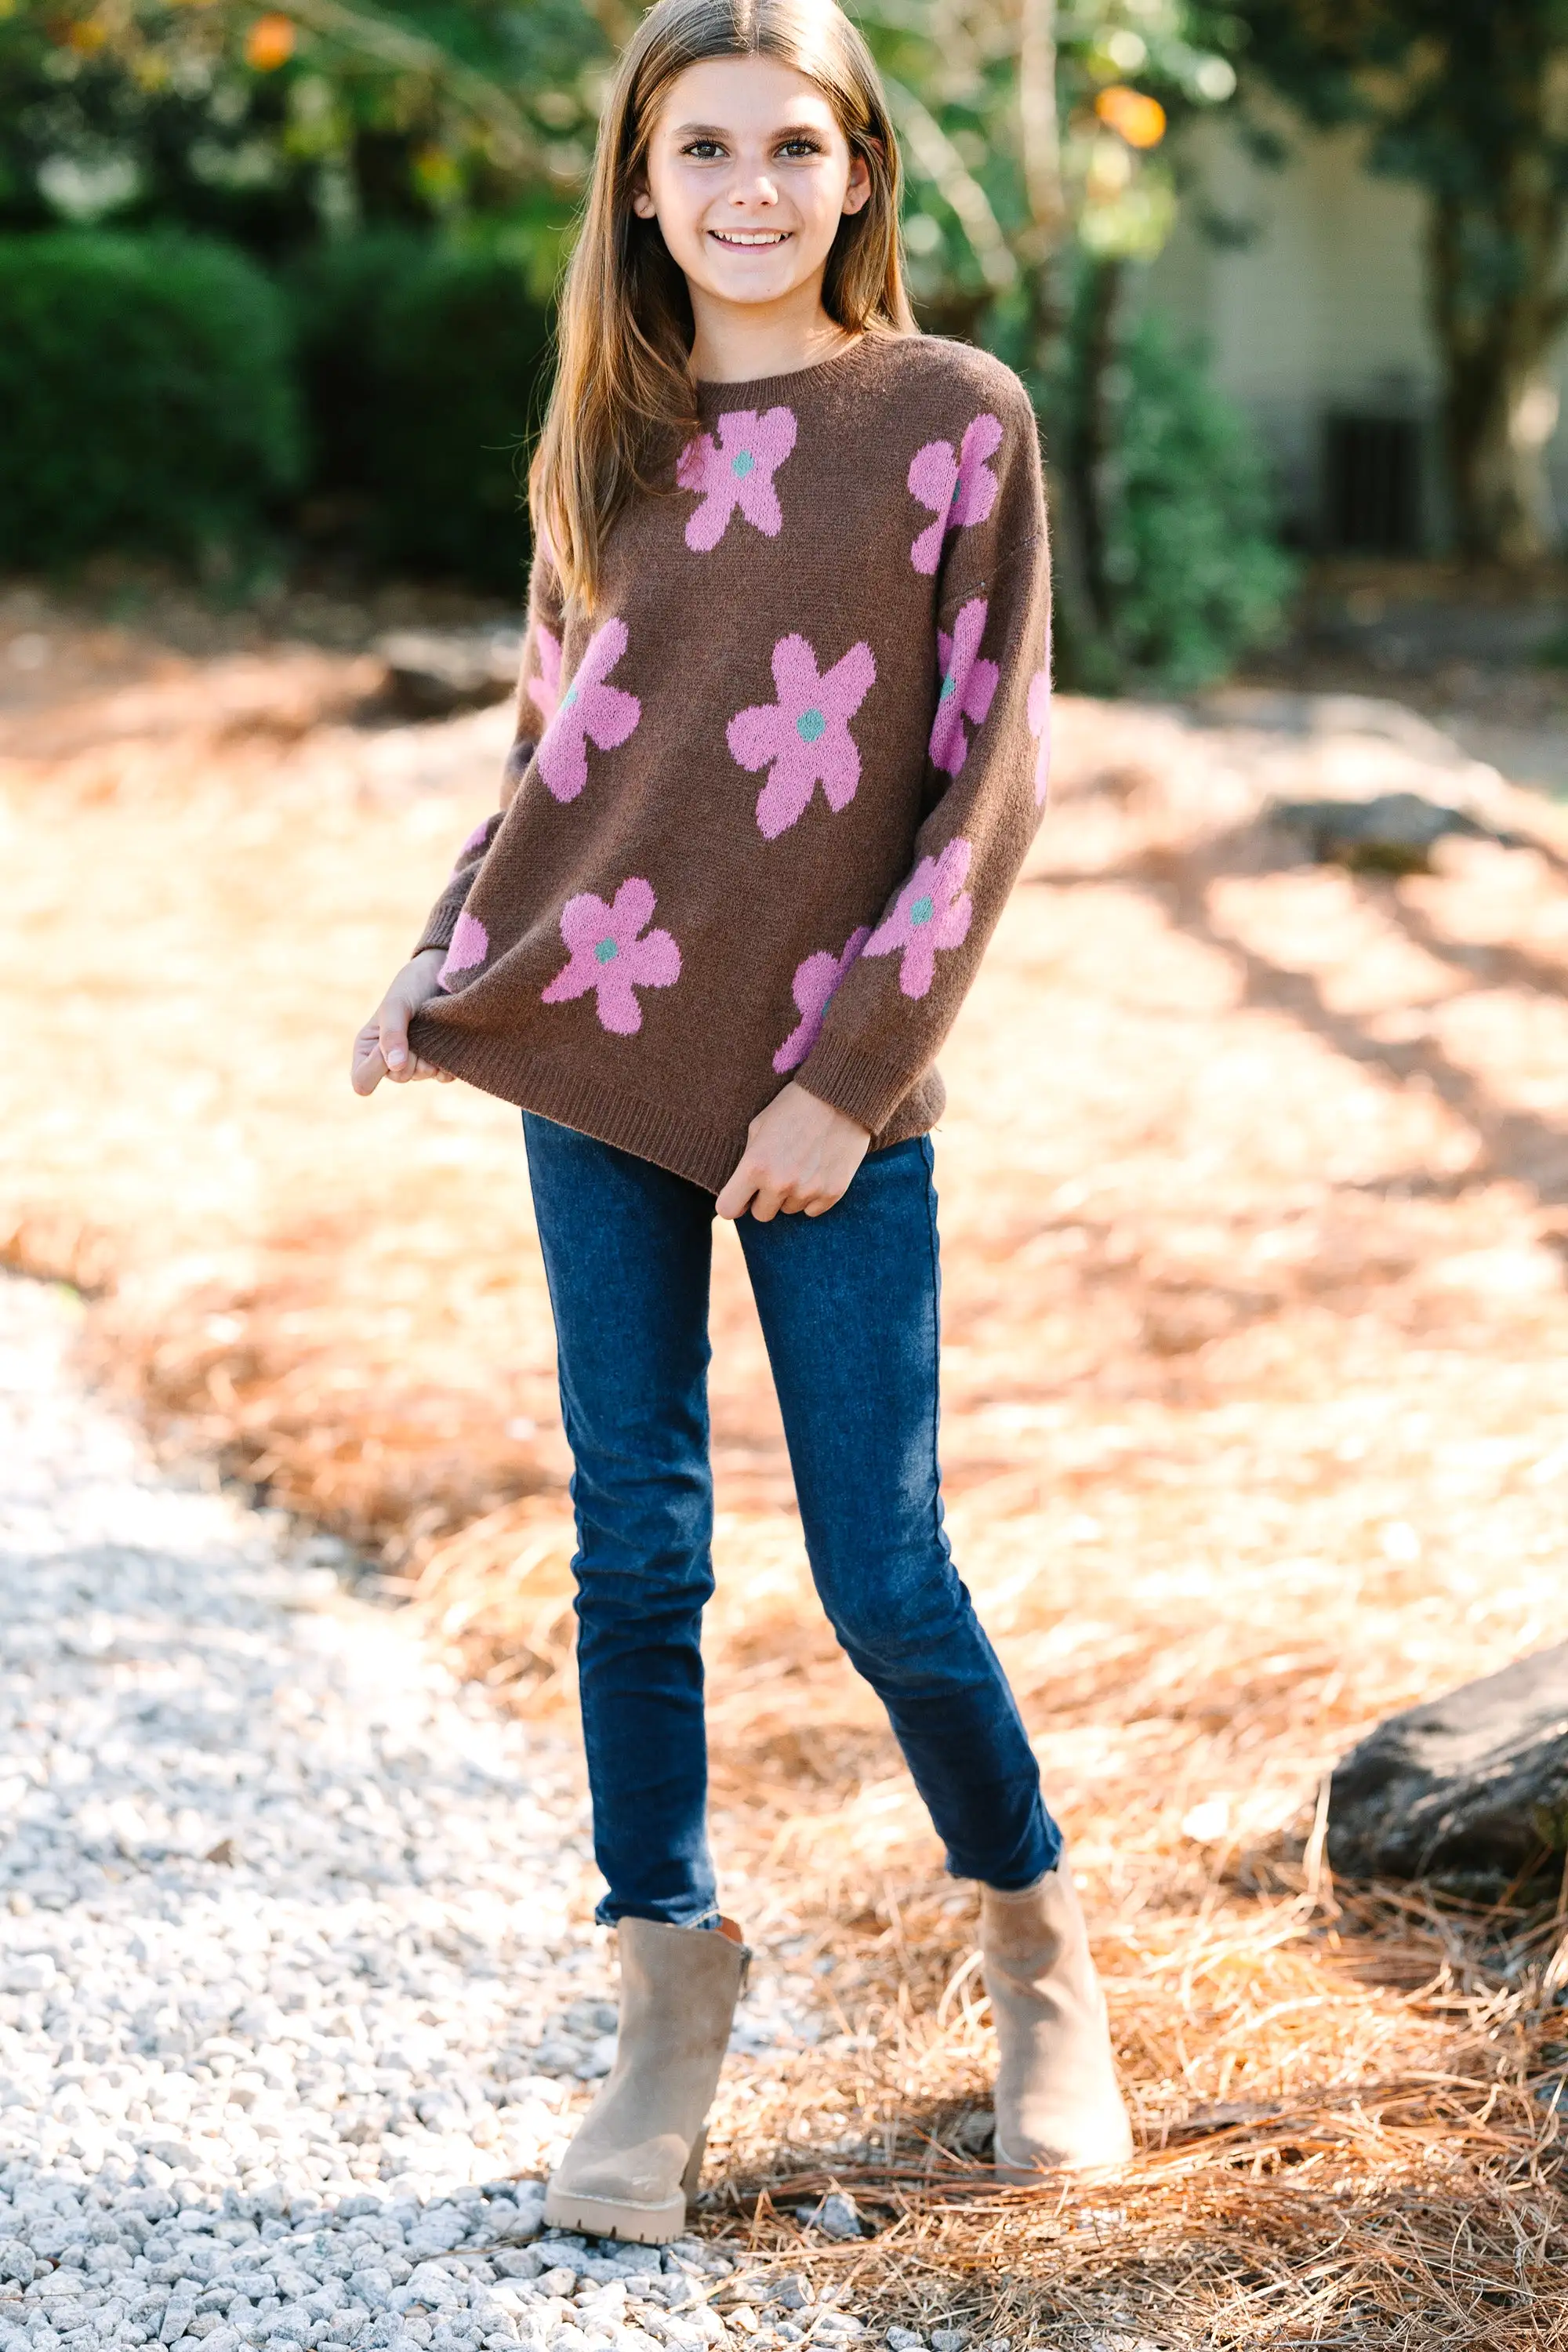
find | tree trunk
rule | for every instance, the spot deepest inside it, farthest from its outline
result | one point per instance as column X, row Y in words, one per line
column 1497, row 310
column 1040, row 129
column 1093, row 435
column 1043, row 261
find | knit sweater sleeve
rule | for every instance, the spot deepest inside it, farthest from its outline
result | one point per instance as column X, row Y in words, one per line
column 538, row 691
column 984, row 788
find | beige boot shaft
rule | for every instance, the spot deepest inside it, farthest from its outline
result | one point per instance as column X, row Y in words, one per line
column 635, row 2158
column 1058, row 2102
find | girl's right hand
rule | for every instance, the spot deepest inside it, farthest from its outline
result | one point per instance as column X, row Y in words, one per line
column 381, row 1049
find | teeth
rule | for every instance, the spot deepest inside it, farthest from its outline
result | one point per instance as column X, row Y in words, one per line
column 749, row 236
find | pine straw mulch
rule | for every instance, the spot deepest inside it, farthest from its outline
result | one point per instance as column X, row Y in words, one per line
column 1255, row 1203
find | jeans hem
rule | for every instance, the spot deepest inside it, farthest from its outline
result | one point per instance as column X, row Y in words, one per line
column 609, row 1914
column 1035, row 1875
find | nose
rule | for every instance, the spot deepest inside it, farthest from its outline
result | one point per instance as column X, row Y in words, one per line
column 758, row 190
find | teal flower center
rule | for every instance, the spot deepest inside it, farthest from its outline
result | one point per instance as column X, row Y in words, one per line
column 569, row 698
column 921, row 911
column 606, row 951
column 741, row 463
column 811, row 726
column 949, row 688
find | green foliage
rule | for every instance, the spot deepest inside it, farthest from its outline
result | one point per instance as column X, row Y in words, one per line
column 146, row 392
column 275, row 125
column 995, row 192
column 1195, row 572
column 423, row 365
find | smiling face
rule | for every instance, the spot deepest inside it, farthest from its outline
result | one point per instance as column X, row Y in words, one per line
column 749, row 175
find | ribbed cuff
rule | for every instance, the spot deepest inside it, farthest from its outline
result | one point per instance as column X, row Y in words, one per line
column 853, row 1082
column 443, row 922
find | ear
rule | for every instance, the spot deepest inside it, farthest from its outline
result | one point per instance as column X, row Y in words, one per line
column 858, row 193
column 642, row 203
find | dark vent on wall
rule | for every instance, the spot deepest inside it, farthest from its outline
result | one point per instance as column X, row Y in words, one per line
column 1373, row 482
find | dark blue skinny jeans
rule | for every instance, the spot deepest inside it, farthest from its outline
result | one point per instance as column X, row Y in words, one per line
column 848, row 1304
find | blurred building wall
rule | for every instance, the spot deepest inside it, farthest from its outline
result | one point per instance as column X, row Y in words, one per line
column 1307, row 283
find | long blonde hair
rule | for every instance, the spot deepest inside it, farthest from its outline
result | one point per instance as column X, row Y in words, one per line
column 623, row 396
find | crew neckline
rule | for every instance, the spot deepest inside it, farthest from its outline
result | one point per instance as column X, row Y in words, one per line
column 712, row 392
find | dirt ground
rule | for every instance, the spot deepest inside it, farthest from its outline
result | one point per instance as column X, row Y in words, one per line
column 1255, row 1203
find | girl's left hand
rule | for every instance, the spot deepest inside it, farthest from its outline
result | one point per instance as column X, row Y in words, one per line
column 800, row 1154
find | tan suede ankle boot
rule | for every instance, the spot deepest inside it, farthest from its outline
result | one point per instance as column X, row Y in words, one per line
column 1058, row 2104
column 637, row 2156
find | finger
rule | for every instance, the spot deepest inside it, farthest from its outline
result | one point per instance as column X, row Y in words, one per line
column 368, row 1069
column 735, row 1198
column 395, row 1050
column 766, row 1203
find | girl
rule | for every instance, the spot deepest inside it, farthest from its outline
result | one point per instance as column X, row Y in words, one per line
column 780, row 747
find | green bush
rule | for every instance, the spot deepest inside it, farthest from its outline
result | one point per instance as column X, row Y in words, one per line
column 423, row 368
column 146, row 397
column 1196, row 574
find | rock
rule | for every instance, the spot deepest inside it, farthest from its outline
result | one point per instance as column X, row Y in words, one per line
column 284, row 2185
column 905, row 2339
column 518, row 2262
column 1395, row 833
column 977, row 2131
column 526, row 2221
column 949, row 2339
column 837, row 2217
column 1468, row 1790
column 33, row 1972
column 431, row 673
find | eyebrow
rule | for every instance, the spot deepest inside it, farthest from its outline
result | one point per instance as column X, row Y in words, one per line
column 716, row 131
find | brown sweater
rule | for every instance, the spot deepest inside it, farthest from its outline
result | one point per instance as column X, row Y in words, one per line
column 766, row 805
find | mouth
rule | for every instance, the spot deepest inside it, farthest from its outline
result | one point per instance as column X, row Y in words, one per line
column 748, row 240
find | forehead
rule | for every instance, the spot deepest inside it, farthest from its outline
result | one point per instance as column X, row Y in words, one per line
column 744, row 94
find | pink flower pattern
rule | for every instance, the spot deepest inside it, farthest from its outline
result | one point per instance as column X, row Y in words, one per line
column 470, row 945
column 589, row 712
column 737, row 471
column 813, row 987
column 968, row 685
column 932, row 912
column 545, row 691
column 476, row 840
column 1039, row 717
column 806, row 733
column 613, row 953
column 959, row 490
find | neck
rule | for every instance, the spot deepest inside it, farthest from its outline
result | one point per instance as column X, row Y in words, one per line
column 737, row 342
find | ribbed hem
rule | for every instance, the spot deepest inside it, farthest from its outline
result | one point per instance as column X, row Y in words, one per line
column 704, row 1155
column 853, row 1082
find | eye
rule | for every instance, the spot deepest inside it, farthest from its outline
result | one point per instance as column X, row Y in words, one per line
column 800, row 146
column 702, row 151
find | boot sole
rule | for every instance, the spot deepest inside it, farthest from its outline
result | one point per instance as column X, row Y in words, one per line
column 640, row 2225
column 596, row 2217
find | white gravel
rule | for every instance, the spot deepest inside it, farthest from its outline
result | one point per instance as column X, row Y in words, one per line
column 294, row 1983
